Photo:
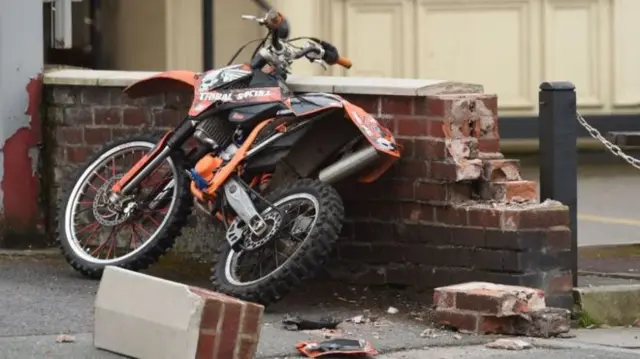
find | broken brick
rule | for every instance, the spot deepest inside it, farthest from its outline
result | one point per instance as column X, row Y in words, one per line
column 489, row 298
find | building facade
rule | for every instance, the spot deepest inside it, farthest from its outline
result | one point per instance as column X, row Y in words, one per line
column 509, row 46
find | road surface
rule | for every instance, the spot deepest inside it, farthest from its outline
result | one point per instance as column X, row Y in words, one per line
column 41, row 298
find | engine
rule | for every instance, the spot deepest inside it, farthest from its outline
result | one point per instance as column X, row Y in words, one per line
column 215, row 132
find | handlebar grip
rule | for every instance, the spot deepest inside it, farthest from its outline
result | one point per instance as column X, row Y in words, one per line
column 344, row 62
column 274, row 20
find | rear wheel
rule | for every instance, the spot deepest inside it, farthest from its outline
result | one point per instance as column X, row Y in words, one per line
column 311, row 220
column 94, row 234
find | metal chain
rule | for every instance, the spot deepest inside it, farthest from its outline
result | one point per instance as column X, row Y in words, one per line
column 617, row 151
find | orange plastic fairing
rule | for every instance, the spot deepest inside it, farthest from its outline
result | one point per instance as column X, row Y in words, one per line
column 221, row 176
column 205, row 167
column 378, row 136
column 169, row 81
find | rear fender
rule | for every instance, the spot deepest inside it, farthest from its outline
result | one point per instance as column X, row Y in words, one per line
column 169, row 81
column 380, row 138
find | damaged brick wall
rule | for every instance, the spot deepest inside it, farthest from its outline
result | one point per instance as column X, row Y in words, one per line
column 452, row 210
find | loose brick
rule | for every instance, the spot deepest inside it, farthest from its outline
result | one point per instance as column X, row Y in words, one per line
column 444, row 300
column 513, row 191
column 545, row 323
column 494, row 299
column 501, row 170
column 461, row 321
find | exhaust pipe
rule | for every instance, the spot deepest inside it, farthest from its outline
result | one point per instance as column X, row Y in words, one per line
column 349, row 165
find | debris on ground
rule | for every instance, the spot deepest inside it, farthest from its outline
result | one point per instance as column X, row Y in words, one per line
column 488, row 308
column 431, row 333
column 299, row 323
column 392, row 310
column 363, row 319
column 65, row 338
column 509, row 344
column 326, row 333
column 335, row 347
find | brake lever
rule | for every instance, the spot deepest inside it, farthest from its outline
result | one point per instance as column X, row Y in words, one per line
column 321, row 63
column 259, row 20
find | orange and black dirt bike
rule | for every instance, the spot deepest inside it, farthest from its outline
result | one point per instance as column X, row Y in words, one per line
column 263, row 168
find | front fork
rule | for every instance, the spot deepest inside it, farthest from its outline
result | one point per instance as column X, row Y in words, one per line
column 151, row 161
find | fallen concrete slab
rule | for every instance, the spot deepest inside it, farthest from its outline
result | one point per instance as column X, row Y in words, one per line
column 615, row 305
column 145, row 317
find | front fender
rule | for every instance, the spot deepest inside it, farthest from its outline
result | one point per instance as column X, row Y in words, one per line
column 379, row 136
column 169, row 81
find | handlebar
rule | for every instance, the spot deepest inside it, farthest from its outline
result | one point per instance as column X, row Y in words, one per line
column 315, row 51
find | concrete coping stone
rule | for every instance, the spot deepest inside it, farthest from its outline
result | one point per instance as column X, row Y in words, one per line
column 333, row 84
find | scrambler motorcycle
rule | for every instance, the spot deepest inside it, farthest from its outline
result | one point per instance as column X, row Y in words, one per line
column 263, row 167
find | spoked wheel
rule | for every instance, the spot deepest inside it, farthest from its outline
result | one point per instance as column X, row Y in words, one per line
column 298, row 241
column 133, row 234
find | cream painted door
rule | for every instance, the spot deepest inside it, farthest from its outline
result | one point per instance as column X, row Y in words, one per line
column 509, row 46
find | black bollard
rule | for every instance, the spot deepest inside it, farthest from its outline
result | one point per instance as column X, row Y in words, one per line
column 558, row 134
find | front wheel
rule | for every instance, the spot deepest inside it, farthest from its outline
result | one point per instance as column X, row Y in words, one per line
column 311, row 221
column 94, row 234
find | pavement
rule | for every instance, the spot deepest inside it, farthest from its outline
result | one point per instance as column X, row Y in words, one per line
column 42, row 298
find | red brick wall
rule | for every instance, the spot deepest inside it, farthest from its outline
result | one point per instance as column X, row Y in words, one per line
column 434, row 219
